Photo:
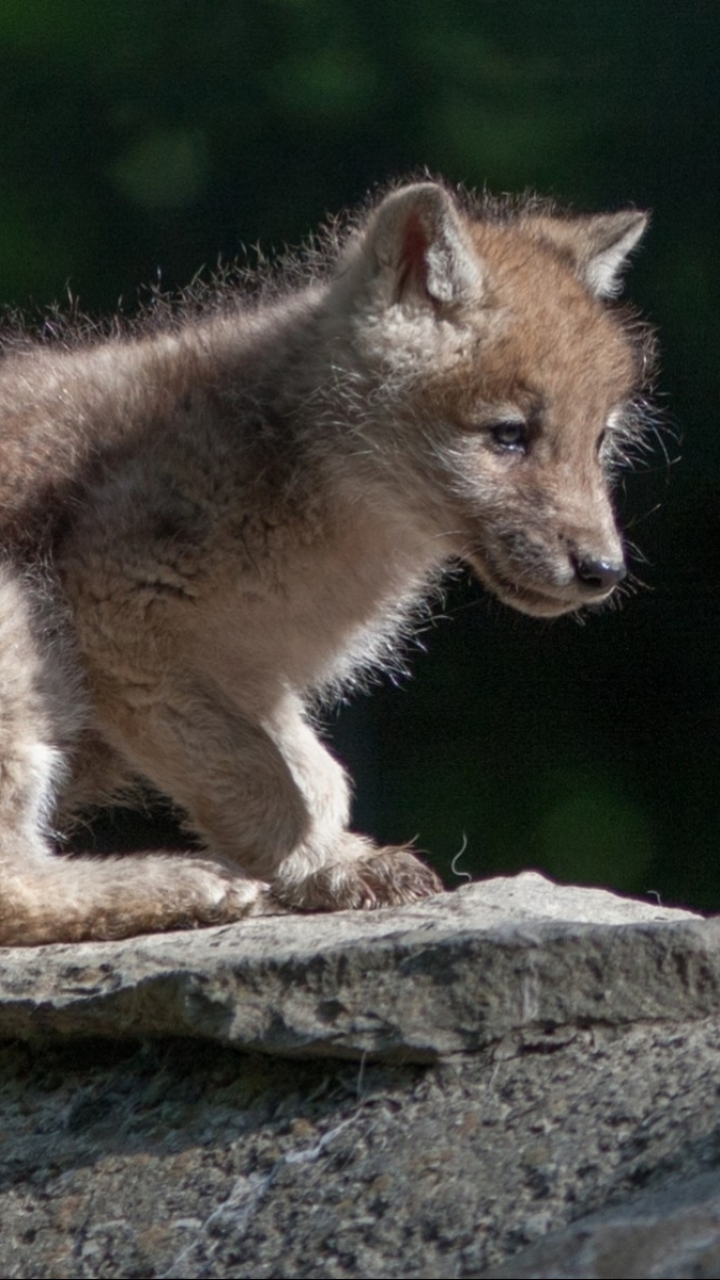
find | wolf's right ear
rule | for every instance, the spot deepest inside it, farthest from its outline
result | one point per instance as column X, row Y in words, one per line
column 415, row 249
column 598, row 245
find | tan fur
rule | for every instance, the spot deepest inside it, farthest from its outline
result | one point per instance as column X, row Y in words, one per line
column 208, row 526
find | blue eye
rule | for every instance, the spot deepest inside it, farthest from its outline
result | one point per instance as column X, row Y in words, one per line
column 511, row 436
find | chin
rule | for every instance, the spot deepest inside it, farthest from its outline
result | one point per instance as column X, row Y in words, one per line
column 535, row 604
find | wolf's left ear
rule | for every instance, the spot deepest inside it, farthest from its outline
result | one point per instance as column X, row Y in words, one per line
column 598, row 245
column 415, row 249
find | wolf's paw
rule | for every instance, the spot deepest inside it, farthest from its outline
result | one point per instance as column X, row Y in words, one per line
column 208, row 893
column 387, row 877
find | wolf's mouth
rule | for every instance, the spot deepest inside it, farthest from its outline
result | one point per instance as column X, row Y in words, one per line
column 533, row 600
column 529, row 600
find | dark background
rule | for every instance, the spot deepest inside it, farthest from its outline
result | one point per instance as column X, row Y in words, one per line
column 141, row 139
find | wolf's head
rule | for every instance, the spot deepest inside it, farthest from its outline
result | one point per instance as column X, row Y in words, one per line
column 497, row 387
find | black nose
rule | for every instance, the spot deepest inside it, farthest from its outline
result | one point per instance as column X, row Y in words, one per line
column 598, row 575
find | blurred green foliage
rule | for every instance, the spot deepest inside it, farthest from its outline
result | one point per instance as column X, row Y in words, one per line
column 143, row 140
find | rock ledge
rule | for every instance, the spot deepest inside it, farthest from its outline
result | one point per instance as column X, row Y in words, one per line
column 455, row 973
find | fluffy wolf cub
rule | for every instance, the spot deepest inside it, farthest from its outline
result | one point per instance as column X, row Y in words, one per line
column 211, row 521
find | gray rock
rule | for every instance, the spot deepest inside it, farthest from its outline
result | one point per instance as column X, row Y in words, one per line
column 669, row 1235
column 455, row 973
column 548, row 1105
column 187, row 1159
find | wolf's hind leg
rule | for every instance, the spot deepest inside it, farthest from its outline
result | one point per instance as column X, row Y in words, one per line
column 70, row 900
column 45, row 898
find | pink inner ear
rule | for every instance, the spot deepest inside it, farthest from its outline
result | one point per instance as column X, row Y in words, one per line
column 412, row 254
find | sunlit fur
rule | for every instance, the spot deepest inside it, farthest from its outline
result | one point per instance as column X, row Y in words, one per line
column 216, row 517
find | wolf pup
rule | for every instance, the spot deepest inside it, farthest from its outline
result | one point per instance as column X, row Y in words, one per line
column 210, row 522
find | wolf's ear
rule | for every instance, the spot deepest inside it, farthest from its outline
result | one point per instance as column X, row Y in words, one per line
column 415, row 249
column 598, row 246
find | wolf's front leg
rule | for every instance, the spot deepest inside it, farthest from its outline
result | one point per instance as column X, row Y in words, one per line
column 268, row 796
column 362, row 875
column 333, row 868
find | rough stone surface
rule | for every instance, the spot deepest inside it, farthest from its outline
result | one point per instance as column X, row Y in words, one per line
column 580, row 1137
column 184, row 1159
column 452, row 974
column 666, row 1234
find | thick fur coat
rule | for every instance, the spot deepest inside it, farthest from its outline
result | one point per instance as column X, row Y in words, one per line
column 209, row 523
